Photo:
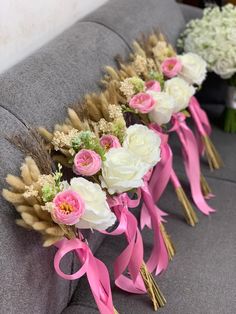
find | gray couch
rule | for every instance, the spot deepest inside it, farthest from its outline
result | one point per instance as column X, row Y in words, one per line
column 36, row 92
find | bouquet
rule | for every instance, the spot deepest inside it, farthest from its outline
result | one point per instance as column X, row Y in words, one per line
column 59, row 210
column 114, row 156
column 213, row 38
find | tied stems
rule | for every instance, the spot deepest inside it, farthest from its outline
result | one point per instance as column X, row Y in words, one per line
column 229, row 120
column 206, row 190
column 189, row 212
column 213, row 157
column 153, row 290
column 168, row 242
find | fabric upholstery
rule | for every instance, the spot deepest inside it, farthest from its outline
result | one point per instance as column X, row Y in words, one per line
column 39, row 89
column 131, row 18
column 190, row 12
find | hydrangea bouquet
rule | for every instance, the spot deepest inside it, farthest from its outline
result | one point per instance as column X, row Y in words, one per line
column 213, row 37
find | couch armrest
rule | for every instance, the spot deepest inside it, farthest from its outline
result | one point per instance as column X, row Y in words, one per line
column 190, row 12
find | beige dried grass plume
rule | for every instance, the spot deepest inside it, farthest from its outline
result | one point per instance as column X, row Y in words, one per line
column 33, row 216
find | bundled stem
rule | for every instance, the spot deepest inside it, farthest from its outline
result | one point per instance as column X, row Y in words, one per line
column 229, row 120
column 213, row 157
column 153, row 290
column 206, row 190
column 168, row 242
column 189, row 212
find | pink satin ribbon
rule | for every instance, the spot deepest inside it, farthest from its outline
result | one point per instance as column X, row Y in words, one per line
column 191, row 161
column 132, row 256
column 174, row 180
column 158, row 260
column 159, row 178
column 96, row 271
column 202, row 124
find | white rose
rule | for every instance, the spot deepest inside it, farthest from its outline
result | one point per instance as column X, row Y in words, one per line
column 144, row 143
column 98, row 214
column 122, row 171
column 163, row 109
column 181, row 91
column 225, row 67
column 193, row 68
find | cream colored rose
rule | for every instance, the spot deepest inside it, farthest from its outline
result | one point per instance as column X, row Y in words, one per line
column 181, row 91
column 122, row 171
column 225, row 66
column 98, row 214
column 144, row 143
column 163, row 109
column 193, row 68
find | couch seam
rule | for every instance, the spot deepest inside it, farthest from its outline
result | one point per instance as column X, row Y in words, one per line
column 112, row 30
column 15, row 115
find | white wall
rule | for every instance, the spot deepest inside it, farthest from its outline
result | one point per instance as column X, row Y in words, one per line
column 25, row 25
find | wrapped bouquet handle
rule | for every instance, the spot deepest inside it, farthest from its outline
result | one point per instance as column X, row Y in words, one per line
column 191, row 161
column 95, row 270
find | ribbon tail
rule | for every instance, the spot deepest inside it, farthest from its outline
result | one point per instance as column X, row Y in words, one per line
column 159, row 259
column 201, row 121
column 99, row 282
column 192, row 166
column 96, row 271
column 132, row 256
column 161, row 174
column 145, row 219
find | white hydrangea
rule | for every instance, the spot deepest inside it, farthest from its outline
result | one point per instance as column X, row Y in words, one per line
column 213, row 37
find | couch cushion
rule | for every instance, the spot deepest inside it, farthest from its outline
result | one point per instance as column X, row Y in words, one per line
column 131, row 18
column 29, row 283
column 39, row 89
column 190, row 12
column 201, row 278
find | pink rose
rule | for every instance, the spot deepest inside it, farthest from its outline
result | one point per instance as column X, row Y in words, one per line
column 153, row 85
column 143, row 102
column 171, row 67
column 87, row 162
column 68, row 207
column 109, row 141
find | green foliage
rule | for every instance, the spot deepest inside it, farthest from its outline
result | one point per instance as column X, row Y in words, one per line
column 153, row 75
column 88, row 140
column 119, row 128
column 137, row 83
column 49, row 190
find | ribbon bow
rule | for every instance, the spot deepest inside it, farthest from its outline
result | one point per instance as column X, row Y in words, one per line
column 191, row 160
column 96, row 271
